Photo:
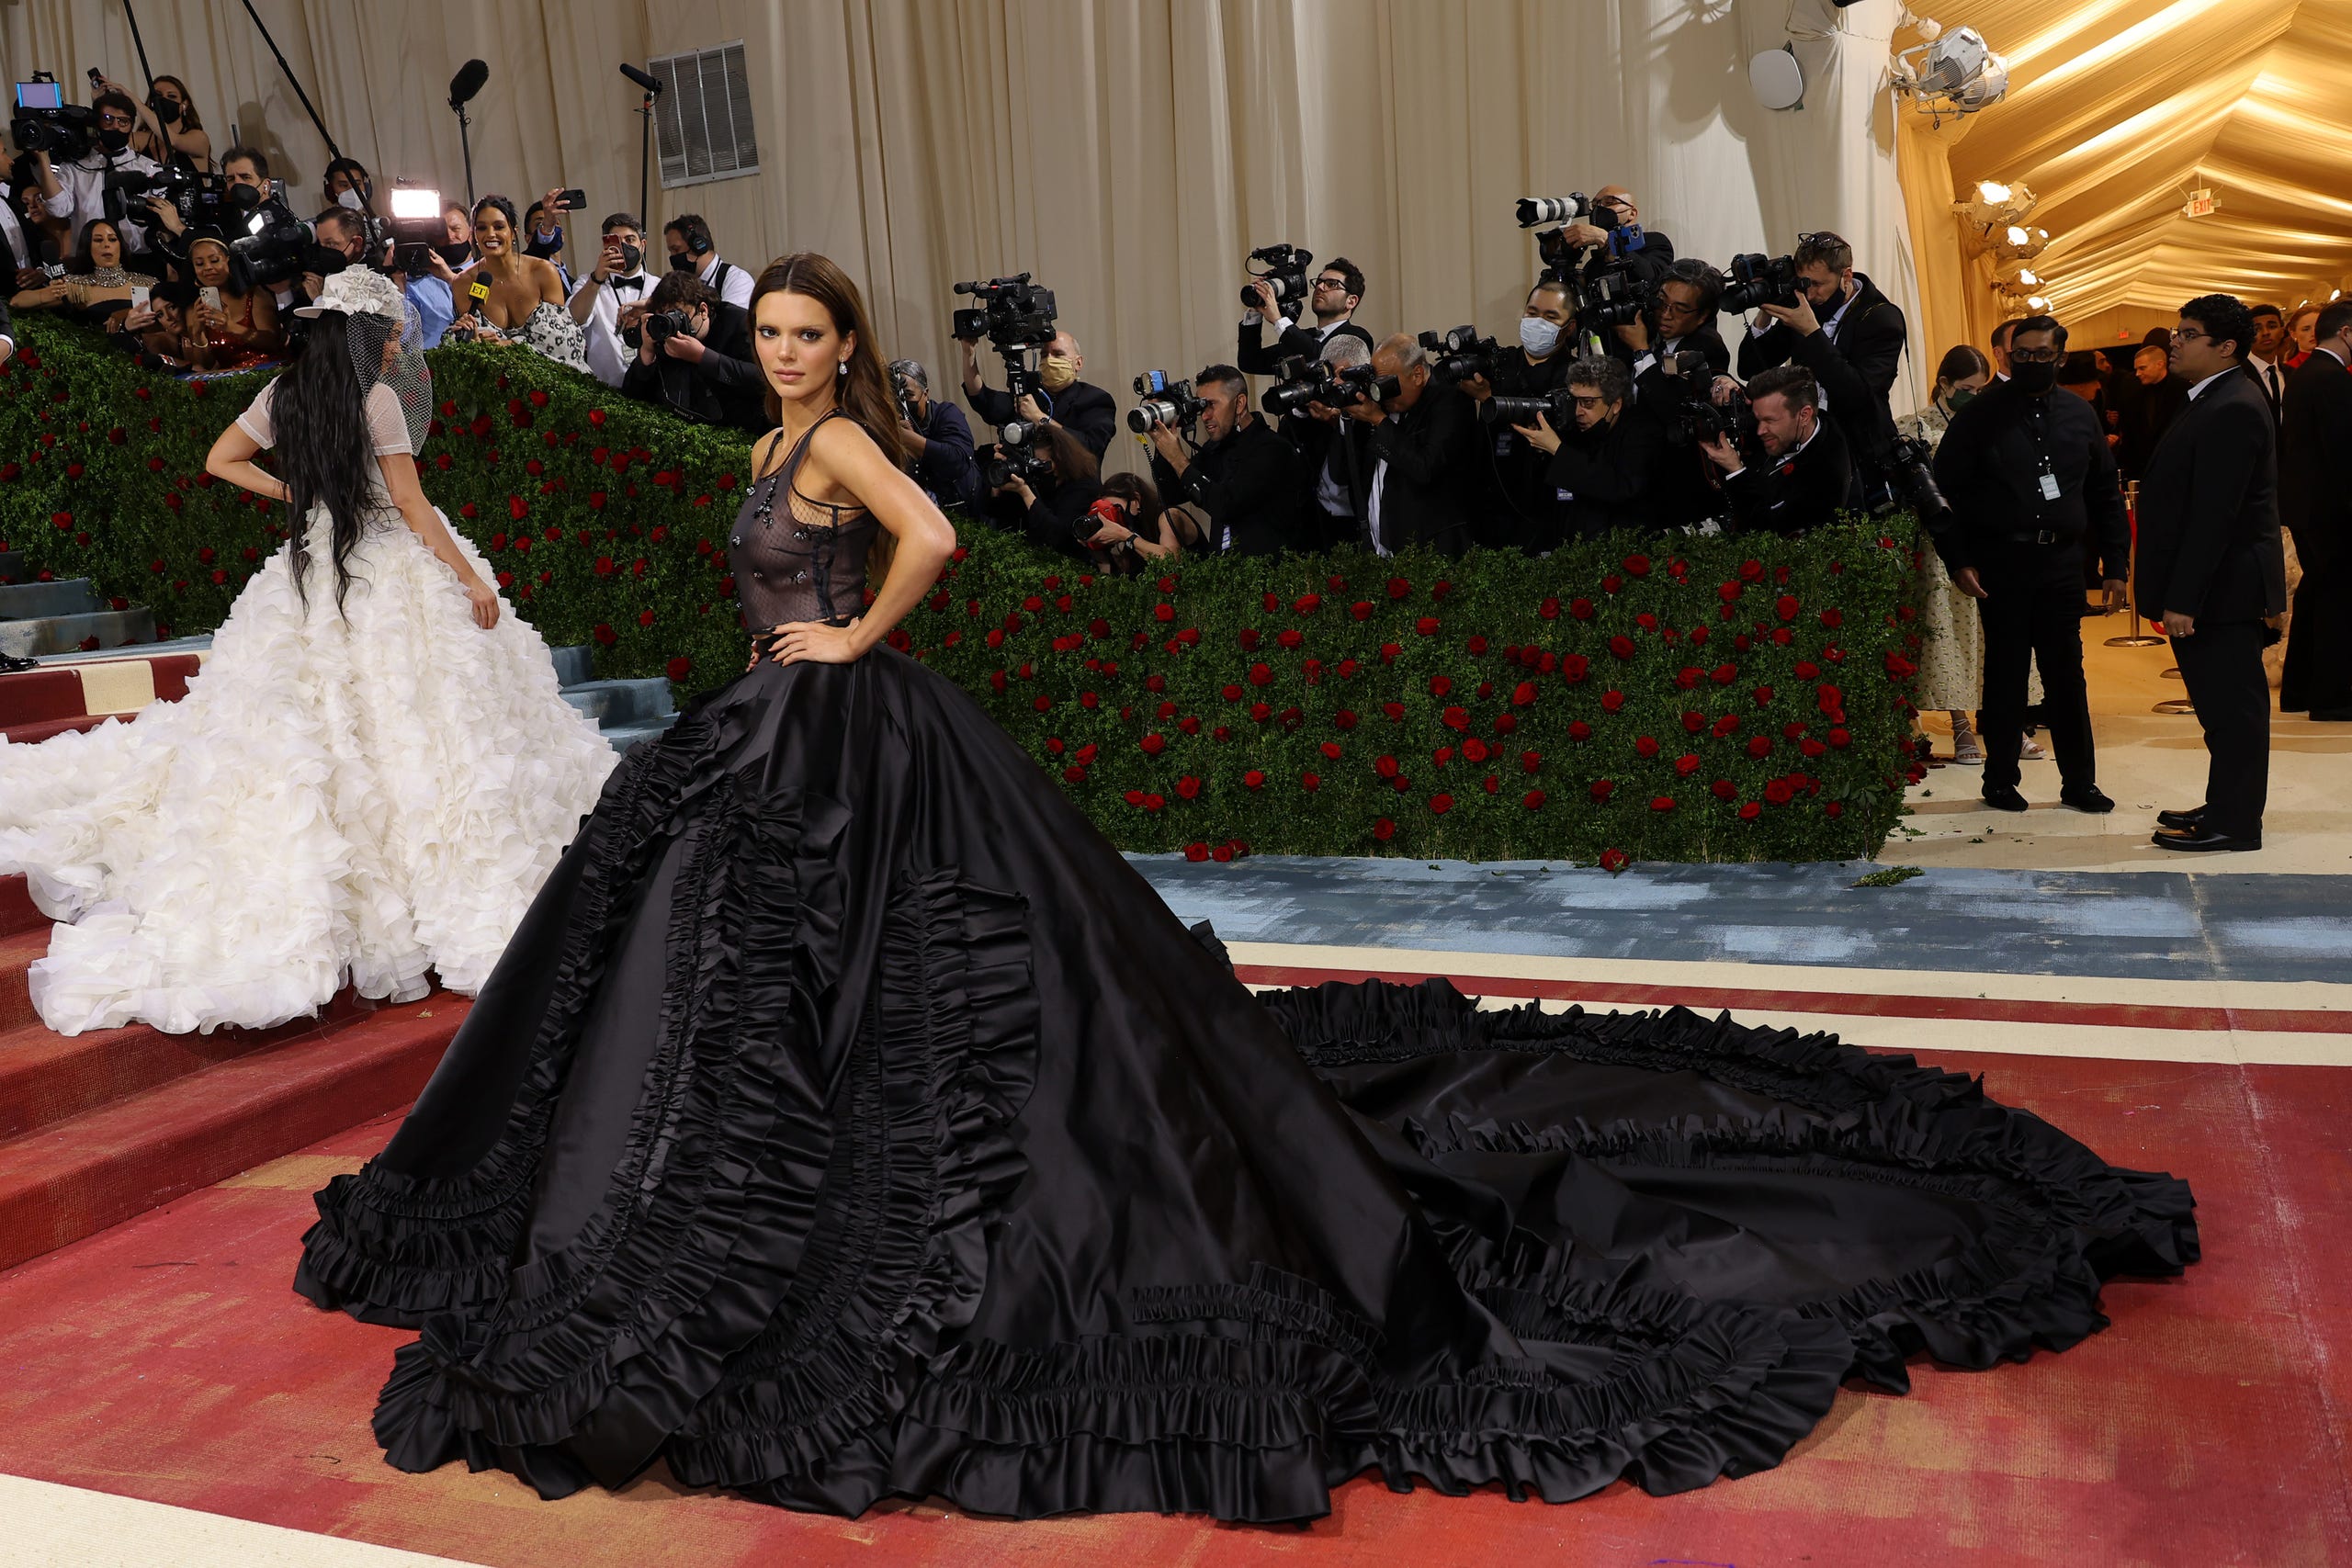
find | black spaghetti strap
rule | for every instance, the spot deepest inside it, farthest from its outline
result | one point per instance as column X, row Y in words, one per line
column 788, row 471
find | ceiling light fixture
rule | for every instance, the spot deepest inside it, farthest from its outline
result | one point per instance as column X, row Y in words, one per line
column 1952, row 74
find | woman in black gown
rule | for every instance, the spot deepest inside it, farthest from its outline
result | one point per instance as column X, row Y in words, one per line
column 849, row 1120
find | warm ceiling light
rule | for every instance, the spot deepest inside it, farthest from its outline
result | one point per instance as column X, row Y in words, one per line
column 2016, row 236
column 2334, row 294
column 1992, row 190
column 2029, row 278
column 2039, row 304
column 1996, row 203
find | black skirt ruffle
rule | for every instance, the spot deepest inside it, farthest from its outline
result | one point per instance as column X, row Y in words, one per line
column 849, row 1120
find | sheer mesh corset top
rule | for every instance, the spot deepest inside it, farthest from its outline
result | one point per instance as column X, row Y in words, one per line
column 795, row 558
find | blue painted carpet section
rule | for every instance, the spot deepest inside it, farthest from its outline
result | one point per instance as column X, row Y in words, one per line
column 2152, row 925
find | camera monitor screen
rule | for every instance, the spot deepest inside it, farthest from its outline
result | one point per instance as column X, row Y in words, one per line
column 40, row 95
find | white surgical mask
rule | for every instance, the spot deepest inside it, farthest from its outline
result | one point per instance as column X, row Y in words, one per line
column 1538, row 336
column 348, row 198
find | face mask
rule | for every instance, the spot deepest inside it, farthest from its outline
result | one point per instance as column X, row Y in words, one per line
column 1960, row 398
column 349, row 199
column 246, row 196
column 114, row 140
column 1058, row 374
column 1538, row 336
column 682, row 262
column 630, row 256
column 166, row 111
column 2034, row 379
column 455, row 255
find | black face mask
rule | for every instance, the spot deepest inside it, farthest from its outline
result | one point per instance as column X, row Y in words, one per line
column 2034, row 379
column 114, row 140
column 630, row 256
column 682, row 262
column 455, row 255
column 165, row 110
column 244, row 197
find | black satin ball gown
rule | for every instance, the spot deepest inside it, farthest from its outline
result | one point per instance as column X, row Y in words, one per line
column 849, row 1120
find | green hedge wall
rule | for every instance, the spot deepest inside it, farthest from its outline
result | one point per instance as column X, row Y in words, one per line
column 1722, row 699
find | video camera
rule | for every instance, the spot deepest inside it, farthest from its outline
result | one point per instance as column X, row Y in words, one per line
column 197, row 198
column 45, row 122
column 1907, row 470
column 280, row 247
column 1015, row 315
column 1282, row 269
column 414, row 228
column 1561, row 259
column 1700, row 420
column 1166, row 403
column 1757, row 279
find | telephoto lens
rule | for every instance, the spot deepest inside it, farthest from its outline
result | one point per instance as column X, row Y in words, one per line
column 1535, row 210
column 1150, row 413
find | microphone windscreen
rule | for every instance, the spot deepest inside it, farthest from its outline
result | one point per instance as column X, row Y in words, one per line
column 644, row 79
column 468, row 81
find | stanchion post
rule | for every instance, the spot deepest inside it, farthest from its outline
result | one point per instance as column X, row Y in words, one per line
column 2138, row 638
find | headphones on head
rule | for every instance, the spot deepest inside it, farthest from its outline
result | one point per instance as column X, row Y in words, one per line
column 697, row 237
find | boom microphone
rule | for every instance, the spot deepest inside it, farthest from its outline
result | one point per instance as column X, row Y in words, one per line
column 644, row 79
column 467, row 82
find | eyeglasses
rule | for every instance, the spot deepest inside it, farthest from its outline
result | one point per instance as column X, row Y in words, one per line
column 1338, row 283
column 2037, row 356
column 115, row 120
column 1593, row 402
column 2190, row 335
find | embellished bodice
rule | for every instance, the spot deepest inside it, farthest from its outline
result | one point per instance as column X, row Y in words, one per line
column 794, row 559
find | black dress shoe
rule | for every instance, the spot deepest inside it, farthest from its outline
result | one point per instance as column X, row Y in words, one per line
column 2089, row 798
column 2182, row 821
column 2003, row 797
column 17, row 664
column 2198, row 840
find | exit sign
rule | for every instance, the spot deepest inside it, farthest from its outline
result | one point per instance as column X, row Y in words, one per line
column 2201, row 205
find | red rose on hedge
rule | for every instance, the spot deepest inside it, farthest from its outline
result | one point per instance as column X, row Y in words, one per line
column 1612, row 701
column 1574, row 667
column 1662, row 803
column 1253, row 779
column 1259, row 674
column 680, row 668
column 1579, row 730
column 1603, row 788
column 1750, row 811
column 1532, row 799
column 1686, row 764
column 1440, row 803
column 1613, row 861
column 1638, row 565
column 1622, row 646
column 605, row 635
column 1384, row 829
column 1154, row 744
column 1785, row 607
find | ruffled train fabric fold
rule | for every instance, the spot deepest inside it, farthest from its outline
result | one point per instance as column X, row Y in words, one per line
column 921, row 1195
column 365, row 797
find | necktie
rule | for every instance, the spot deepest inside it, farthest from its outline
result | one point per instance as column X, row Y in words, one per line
column 2277, row 396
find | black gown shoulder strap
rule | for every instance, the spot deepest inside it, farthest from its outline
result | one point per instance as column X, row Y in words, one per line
column 788, row 472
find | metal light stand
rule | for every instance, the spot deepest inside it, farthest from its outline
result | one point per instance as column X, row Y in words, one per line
column 466, row 146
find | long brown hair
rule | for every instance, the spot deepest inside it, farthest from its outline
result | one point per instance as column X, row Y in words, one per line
column 864, row 394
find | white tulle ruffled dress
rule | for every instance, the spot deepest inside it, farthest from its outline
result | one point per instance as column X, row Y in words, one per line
column 362, row 796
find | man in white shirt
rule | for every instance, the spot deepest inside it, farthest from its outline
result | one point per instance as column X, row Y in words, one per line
column 77, row 192
column 612, row 297
column 2262, row 361
column 691, row 245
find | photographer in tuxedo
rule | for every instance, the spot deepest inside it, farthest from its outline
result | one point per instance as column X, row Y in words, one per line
column 2316, row 504
column 1807, row 471
column 1419, row 443
column 705, row 369
column 1247, row 480
column 2211, row 567
column 1333, row 296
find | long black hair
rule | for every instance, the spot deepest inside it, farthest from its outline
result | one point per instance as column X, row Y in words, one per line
column 319, row 413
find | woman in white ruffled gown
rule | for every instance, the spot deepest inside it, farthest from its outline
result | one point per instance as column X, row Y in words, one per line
column 368, row 781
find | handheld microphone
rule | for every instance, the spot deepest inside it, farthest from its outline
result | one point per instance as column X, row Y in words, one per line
column 644, row 79
column 467, row 82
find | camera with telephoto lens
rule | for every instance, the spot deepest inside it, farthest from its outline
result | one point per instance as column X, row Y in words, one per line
column 1362, row 384
column 1758, row 279
column 1166, row 403
column 1013, row 313
column 1282, row 269
column 1907, row 475
column 1301, row 381
column 1015, row 457
column 45, row 122
column 1558, row 405
column 1458, row 355
column 1559, row 256
column 1702, row 422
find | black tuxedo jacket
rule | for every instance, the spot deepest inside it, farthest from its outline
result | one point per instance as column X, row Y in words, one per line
column 2314, row 454
column 726, row 385
column 1253, row 356
column 1871, row 338
column 1792, row 494
column 1425, row 494
column 1248, row 484
column 2208, row 511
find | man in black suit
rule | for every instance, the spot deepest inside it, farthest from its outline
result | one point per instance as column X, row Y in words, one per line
column 2211, row 567
column 1807, row 473
column 1845, row 308
column 708, row 372
column 1069, row 403
column 2033, row 493
column 1514, row 505
column 1245, row 477
column 2315, row 501
column 1617, row 228
column 1605, row 463
column 1333, row 296
column 1418, row 443
column 2156, row 399
column 2262, row 359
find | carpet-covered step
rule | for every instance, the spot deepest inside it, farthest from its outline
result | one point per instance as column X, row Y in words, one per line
column 12, row 566
column 75, row 1176
column 35, row 601
column 573, row 667
column 17, row 910
column 615, row 702
column 65, row 634
column 621, row 737
column 37, row 703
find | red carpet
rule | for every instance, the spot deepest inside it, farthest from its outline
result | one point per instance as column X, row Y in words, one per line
column 167, row 1359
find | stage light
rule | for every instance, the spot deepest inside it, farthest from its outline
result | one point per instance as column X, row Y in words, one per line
column 1953, row 72
column 2039, row 305
column 1997, row 204
column 413, row 201
column 2018, row 242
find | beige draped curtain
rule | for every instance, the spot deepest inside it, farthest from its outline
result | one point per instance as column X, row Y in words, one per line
column 1127, row 152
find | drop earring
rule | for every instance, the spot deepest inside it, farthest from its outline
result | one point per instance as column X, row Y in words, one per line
column 840, row 367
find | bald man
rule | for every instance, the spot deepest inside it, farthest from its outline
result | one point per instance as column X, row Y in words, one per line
column 1420, row 441
column 1086, row 412
column 1645, row 252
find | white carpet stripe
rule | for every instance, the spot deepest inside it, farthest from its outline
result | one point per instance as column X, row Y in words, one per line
column 51, row 1526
